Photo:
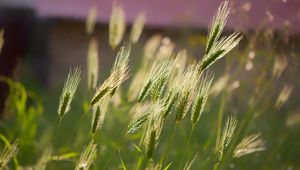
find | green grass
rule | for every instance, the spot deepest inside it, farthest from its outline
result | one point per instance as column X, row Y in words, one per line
column 48, row 141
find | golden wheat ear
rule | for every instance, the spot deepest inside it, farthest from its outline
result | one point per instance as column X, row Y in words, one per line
column 250, row 144
column 117, row 25
column 92, row 64
column 91, row 20
column 137, row 27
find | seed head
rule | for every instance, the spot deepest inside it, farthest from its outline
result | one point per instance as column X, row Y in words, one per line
column 201, row 98
column 93, row 64
column 87, row 157
column 250, row 144
column 226, row 136
column 91, row 20
column 117, row 25
column 68, row 91
column 137, row 27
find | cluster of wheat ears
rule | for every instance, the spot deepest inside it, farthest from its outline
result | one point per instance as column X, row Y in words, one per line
column 164, row 85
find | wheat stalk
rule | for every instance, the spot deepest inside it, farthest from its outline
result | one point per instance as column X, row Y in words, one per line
column 68, row 91
column 189, row 164
column 44, row 159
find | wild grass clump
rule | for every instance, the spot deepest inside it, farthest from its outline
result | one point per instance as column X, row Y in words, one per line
column 169, row 116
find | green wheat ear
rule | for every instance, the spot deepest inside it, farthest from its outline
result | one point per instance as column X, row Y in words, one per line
column 99, row 95
column 137, row 123
column 217, row 48
column 96, row 119
column 201, row 98
column 151, row 143
column 68, row 91
column 182, row 108
column 169, row 102
column 217, row 25
column 153, row 130
column 119, row 73
column 141, row 118
column 145, row 91
column 158, row 88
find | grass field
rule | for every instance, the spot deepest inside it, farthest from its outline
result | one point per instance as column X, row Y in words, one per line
column 237, row 107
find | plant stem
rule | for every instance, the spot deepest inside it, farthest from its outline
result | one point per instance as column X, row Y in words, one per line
column 55, row 140
column 187, row 145
column 171, row 136
column 69, row 137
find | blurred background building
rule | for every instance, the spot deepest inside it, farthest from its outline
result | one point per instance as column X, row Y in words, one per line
column 51, row 33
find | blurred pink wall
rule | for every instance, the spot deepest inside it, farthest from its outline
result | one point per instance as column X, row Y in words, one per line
column 195, row 13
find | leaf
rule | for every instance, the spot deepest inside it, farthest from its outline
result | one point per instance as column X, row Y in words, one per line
column 137, row 148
